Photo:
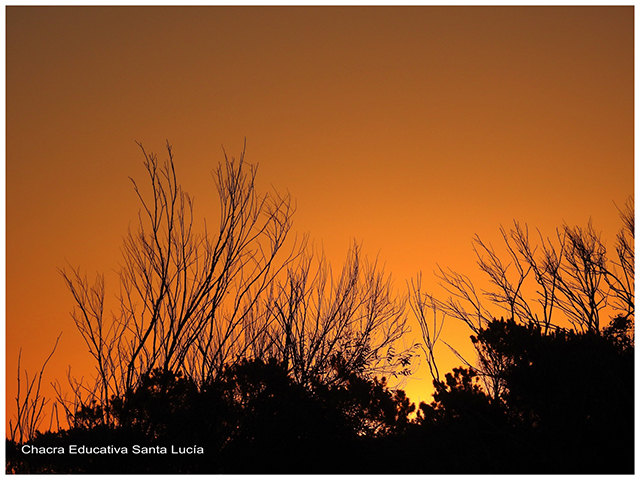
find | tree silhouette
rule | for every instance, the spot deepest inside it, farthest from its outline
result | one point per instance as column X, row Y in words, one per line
column 246, row 351
column 551, row 381
column 572, row 275
column 30, row 404
column 184, row 296
column 198, row 302
column 316, row 320
column 571, row 282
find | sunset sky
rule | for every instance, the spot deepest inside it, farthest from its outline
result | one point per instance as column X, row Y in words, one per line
column 407, row 129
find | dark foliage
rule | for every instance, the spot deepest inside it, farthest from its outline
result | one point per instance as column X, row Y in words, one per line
column 182, row 387
column 565, row 406
column 571, row 393
column 255, row 419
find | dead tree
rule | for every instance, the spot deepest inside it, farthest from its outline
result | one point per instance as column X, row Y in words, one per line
column 186, row 299
column 567, row 282
column 323, row 326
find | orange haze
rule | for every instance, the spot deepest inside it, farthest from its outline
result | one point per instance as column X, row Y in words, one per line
column 409, row 129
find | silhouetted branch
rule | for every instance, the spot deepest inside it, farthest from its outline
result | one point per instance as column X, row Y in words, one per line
column 353, row 319
column 421, row 304
column 185, row 298
column 569, row 280
column 29, row 408
column 621, row 274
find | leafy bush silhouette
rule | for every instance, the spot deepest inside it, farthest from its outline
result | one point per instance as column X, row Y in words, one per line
column 563, row 394
column 540, row 398
column 269, row 363
column 255, row 411
column 570, row 390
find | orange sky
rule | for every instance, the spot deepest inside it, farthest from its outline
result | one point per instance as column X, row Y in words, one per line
column 409, row 129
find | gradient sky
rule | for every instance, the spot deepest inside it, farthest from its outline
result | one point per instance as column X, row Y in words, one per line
column 407, row 129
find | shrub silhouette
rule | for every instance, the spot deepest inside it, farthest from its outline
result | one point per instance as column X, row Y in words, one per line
column 266, row 363
column 180, row 358
column 563, row 393
column 540, row 397
column 569, row 390
column 255, row 411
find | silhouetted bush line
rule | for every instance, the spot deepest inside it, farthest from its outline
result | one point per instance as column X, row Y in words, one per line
column 567, row 407
column 228, row 352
